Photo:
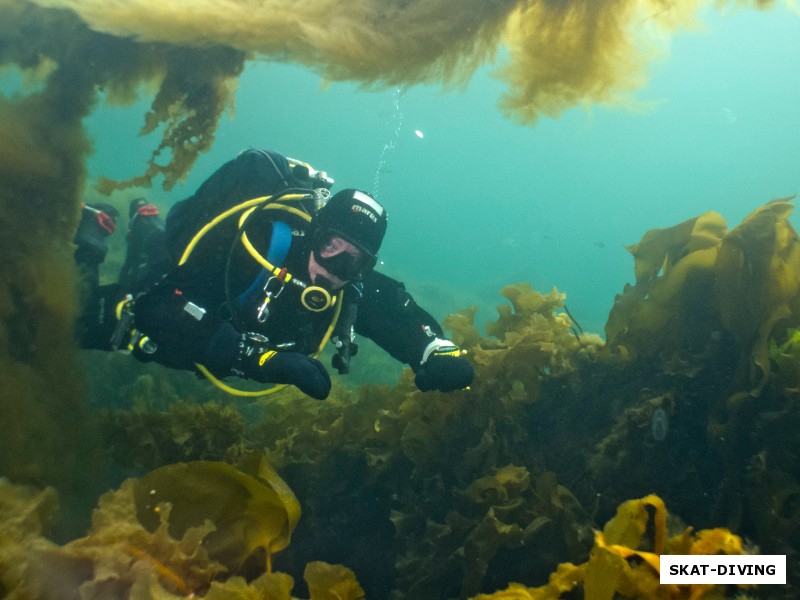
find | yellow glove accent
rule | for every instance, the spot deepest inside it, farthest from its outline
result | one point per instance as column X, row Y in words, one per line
column 455, row 352
column 265, row 357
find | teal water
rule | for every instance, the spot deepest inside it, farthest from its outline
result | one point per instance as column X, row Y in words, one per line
column 480, row 202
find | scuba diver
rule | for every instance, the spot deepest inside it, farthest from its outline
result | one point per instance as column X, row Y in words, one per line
column 267, row 267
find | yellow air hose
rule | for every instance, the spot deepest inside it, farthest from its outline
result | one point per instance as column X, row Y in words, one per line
column 248, row 207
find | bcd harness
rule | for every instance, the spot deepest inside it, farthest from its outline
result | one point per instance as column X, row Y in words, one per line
column 268, row 284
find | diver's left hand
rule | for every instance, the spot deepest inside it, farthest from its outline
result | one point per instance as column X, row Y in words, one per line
column 444, row 370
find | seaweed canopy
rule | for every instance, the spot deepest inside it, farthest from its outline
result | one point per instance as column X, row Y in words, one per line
column 75, row 66
column 558, row 53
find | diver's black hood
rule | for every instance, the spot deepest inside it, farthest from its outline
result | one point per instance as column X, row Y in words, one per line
column 357, row 217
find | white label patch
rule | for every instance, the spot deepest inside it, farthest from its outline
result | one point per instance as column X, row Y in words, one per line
column 364, row 199
column 723, row 569
column 194, row 310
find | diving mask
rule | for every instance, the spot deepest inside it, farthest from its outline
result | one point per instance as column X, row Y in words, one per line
column 340, row 258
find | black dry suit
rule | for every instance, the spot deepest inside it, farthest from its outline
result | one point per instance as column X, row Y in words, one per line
column 197, row 313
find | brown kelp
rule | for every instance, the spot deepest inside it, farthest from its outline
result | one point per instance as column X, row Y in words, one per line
column 73, row 54
column 533, row 337
column 697, row 277
column 449, row 481
column 69, row 68
column 619, row 565
column 429, row 496
column 452, row 495
column 703, row 294
column 72, row 67
column 554, row 54
column 181, row 530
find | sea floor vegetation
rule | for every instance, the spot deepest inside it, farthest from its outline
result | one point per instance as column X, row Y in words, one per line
column 569, row 466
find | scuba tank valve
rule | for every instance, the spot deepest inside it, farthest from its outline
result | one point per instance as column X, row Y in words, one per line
column 321, row 196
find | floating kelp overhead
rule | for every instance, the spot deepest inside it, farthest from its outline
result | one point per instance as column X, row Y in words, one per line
column 76, row 67
column 558, row 53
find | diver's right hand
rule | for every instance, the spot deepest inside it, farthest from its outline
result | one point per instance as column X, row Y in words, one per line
column 294, row 368
column 248, row 355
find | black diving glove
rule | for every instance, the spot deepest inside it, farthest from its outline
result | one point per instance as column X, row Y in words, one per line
column 443, row 368
column 256, row 361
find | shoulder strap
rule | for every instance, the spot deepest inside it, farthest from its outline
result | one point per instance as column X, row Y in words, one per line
column 279, row 244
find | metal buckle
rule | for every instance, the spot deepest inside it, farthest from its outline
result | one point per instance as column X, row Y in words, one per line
column 263, row 311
